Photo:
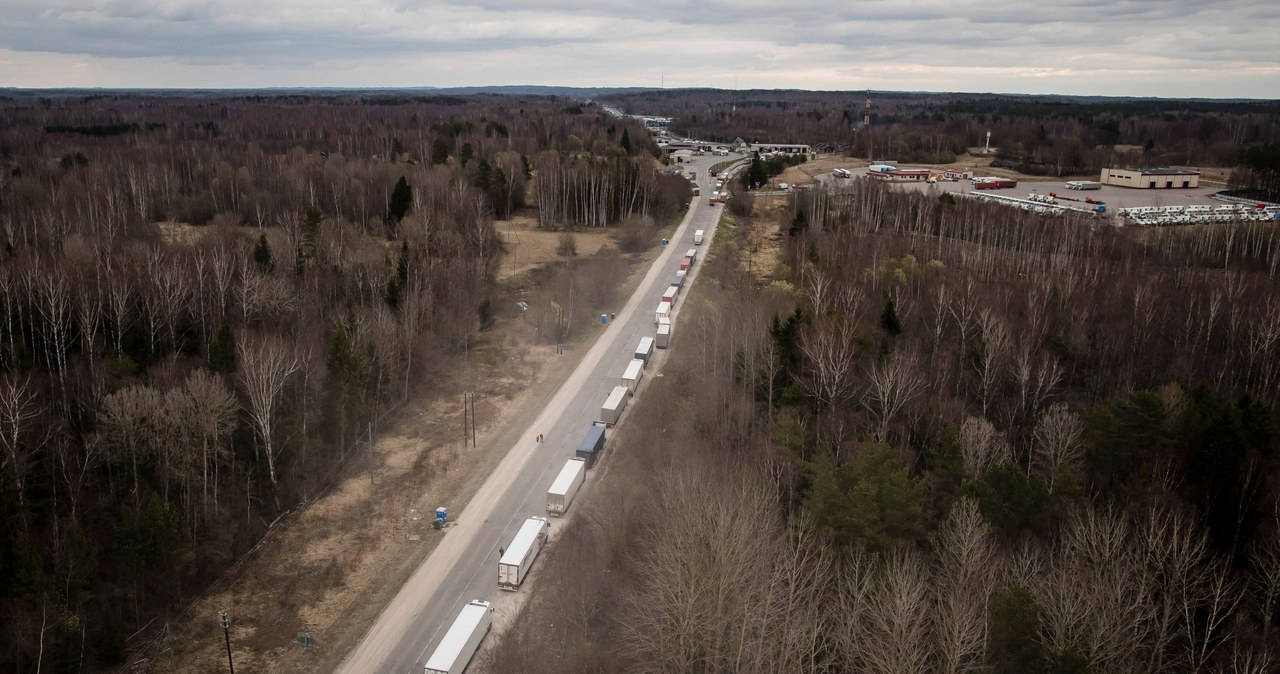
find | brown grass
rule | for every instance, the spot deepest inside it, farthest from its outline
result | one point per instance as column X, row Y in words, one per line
column 529, row 247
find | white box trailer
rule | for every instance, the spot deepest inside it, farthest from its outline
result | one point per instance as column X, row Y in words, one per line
column 524, row 548
column 631, row 376
column 670, row 294
column 664, row 336
column 611, row 411
column 565, row 486
column 461, row 641
column 664, row 321
column 664, row 311
column 697, row 237
column 645, row 349
column 692, row 254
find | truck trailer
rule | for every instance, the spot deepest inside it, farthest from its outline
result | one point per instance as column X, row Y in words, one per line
column 670, row 294
column 697, row 237
column 565, row 486
column 664, row 336
column 591, row 446
column 993, row 183
column 686, row 263
column 519, row 556
column 635, row 370
column 664, row 311
column 612, row 408
column 645, row 350
column 461, row 641
column 1084, row 185
column 692, row 254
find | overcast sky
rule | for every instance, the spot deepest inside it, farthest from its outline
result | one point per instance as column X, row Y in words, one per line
column 1173, row 48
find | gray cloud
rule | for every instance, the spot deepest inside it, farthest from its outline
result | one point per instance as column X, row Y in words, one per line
column 1137, row 47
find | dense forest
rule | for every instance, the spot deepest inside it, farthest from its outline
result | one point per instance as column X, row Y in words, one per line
column 207, row 300
column 1056, row 136
column 942, row 436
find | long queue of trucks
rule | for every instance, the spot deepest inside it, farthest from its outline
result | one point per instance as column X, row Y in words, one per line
column 463, row 639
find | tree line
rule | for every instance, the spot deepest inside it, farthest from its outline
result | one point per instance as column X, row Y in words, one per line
column 943, row 436
column 1052, row 135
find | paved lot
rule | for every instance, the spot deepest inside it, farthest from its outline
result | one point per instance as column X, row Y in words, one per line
column 1114, row 197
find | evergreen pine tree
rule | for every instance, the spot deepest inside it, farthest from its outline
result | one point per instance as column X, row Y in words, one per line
column 400, row 203
column 262, row 254
column 889, row 319
column 222, row 352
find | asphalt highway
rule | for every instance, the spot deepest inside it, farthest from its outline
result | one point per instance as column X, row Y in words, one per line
column 464, row 566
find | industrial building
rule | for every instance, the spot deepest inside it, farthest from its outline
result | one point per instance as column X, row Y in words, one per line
column 1150, row 178
column 907, row 175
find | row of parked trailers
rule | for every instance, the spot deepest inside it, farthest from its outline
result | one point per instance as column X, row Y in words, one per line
column 463, row 638
column 1199, row 214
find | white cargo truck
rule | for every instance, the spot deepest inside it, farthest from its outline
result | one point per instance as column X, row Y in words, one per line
column 697, row 237
column 664, row 311
column 611, row 411
column 461, row 641
column 664, row 336
column 519, row 556
column 565, row 486
column 692, row 254
column 645, row 350
column 635, row 370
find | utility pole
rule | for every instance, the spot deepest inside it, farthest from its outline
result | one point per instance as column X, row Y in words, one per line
column 226, row 633
column 468, row 432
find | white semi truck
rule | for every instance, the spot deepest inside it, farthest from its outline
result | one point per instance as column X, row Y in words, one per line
column 635, row 370
column 612, row 408
column 565, row 486
column 461, row 641
column 518, row 558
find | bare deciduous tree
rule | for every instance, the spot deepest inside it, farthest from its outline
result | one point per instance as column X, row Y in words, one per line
column 982, row 446
column 18, row 408
column 892, row 383
column 129, row 417
column 898, row 638
column 1056, row 441
column 991, row 359
column 830, row 351
column 965, row 575
column 213, row 417
column 264, row 366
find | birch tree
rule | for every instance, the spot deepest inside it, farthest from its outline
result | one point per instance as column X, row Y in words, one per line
column 265, row 364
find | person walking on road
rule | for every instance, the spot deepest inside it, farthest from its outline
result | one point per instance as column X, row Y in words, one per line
column 501, row 552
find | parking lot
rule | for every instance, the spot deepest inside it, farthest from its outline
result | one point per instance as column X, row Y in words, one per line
column 1114, row 197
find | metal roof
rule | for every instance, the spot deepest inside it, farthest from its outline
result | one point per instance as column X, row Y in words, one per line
column 1161, row 171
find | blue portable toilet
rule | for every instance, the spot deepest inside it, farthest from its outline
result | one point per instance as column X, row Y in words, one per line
column 664, row 242
column 604, row 318
column 442, row 515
